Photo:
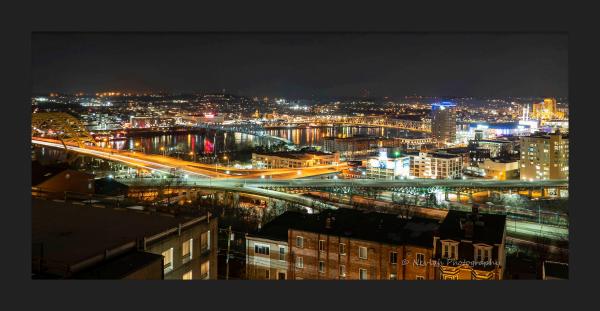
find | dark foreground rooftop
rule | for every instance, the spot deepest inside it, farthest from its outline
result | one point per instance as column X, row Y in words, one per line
column 487, row 228
column 68, row 234
column 370, row 226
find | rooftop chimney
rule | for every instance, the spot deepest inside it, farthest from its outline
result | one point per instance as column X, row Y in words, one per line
column 475, row 209
column 468, row 228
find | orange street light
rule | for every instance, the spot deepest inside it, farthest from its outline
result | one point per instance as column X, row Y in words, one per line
column 226, row 158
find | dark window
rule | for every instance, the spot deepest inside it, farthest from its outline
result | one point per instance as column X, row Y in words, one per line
column 261, row 249
column 393, row 258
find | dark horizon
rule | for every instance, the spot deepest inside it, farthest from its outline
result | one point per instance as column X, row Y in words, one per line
column 304, row 65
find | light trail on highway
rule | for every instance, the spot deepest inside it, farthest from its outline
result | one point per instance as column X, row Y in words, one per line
column 169, row 166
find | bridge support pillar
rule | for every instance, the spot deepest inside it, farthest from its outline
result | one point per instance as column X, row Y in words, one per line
column 446, row 197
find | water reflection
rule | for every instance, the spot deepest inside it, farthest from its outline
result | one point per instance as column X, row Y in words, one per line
column 239, row 145
column 313, row 136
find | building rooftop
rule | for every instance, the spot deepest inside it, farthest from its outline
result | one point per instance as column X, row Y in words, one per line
column 547, row 135
column 355, row 137
column 496, row 141
column 443, row 104
column 41, row 173
column 356, row 224
column 109, row 186
column 498, row 125
column 69, row 234
column 487, row 228
column 556, row 270
column 433, row 154
column 296, row 155
column 119, row 267
column 453, row 150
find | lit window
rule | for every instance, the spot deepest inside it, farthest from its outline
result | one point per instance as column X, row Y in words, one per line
column 393, row 276
column 450, row 249
column 342, row 270
column 420, row 259
column 281, row 253
column 420, row 277
column 483, row 253
column 168, row 260
column 321, row 245
column 186, row 250
column 205, row 241
column 362, row 252
column 342, row 249
column 363, row 274
column 205, row 270
column 299, row 262
column 187, row 275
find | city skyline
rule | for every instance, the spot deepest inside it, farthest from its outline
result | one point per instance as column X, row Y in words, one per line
column 303, row 65
column 300, row 156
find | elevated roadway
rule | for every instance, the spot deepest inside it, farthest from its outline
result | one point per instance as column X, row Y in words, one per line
column 169, row 165
column 316, row 182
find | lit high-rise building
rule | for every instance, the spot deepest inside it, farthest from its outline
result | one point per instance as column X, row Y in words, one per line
column 443, row 123
column 544, row 156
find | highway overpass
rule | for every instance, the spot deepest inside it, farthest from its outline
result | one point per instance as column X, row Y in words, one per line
column 171, row 166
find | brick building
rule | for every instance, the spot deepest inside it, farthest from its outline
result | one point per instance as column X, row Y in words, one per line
column 267, row 251
column 345, row 244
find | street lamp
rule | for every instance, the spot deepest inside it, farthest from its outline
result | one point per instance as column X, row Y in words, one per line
column 162, row 148
column 226, row 158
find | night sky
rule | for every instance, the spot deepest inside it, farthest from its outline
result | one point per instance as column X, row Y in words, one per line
column 303, row 65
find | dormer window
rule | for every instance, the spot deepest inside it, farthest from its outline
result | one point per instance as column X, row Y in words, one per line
column 483, row 252
column 450, row 249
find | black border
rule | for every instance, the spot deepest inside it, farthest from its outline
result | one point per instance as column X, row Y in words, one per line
column 21, row 18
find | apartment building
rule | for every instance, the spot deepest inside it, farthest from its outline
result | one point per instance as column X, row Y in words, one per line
column 435, row 165
column 72, row 240
column 544, row 156
column 345, row 244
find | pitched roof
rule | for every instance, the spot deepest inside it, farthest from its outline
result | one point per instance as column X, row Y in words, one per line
column 487, row 228
column 370, row 226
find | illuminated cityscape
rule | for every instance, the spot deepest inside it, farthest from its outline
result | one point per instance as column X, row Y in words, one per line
column 233, row 184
